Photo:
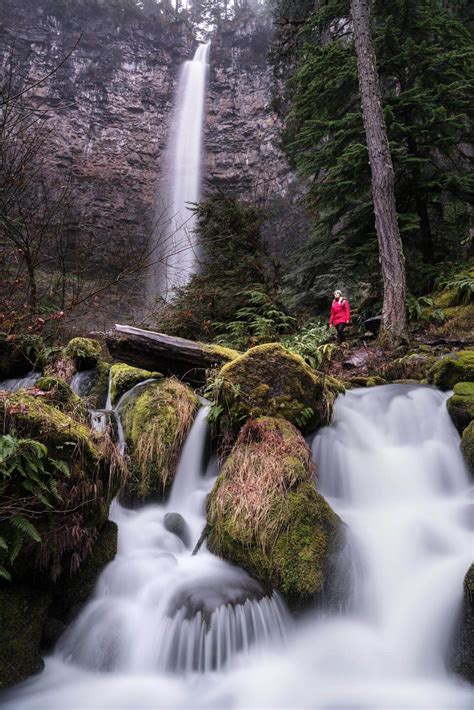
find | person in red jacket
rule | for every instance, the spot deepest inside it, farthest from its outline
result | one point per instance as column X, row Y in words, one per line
column 340, row 314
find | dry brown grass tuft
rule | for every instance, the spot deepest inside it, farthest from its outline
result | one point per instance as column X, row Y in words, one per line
column 269, row 459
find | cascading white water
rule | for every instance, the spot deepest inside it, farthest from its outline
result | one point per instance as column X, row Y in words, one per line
column 18, row 383
column 390, row 466
column 178, row 248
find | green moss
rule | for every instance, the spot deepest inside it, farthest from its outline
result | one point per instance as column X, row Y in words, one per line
column 99, row 390
column 265, row 514
column 23, row 614
column 84, row 352
column 74, row 590
column 86, row 488
column 268, row 380
column 222, row 353
column 467, row 446
column 461, row 405
column 453, row 368
column 124, row 377
column 63, row 397
column 155, row 423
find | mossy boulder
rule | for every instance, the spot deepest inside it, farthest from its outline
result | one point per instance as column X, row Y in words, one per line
column 462, row 661
column 23, row 614
column 268, row 380
column 86, row 480
column 461, row 405
column 74, row 589
column 19, row 354
column 265, row 514
column 62, row 396
column 467, row 446
column 97, row 395
column 84, row 352
column 156, row 421
column 124, row 377
column 451, row 369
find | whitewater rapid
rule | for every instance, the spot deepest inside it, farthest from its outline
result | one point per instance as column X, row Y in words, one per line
column 390, row 466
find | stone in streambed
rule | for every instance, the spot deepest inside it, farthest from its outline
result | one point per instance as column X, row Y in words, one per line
column 123, row 377
column 453, row 368
column 176, row 524
column 462, row 661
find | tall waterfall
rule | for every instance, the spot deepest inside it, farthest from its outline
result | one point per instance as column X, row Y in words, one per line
column 177, row 630
column 177, row 246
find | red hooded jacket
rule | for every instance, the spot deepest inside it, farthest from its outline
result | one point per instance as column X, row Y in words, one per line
column 340, row 312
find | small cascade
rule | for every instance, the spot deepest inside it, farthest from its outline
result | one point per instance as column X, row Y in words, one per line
column 19, row 383
column 194, row 631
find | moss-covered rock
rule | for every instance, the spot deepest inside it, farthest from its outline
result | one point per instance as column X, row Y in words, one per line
column 84, row 352
column 62, row 396
column 451, row 369
column 74, row 589
column 461, row 405
column 265, row 514
column 97, row 395
column 268, row 380
column 23, row 613
column 124, row 377
column 19, row 354
column 462, row 661
column 156, row 422
column 467, row 446
column 86, row 481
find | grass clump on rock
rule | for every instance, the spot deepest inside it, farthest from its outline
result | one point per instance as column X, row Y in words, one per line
column 156, row 422
column 84, row 352
column 63, row 397
column 268, row 380
column 123, row 377
column 265, row 514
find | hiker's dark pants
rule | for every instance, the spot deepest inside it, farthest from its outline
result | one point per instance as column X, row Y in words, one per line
column 340, row 331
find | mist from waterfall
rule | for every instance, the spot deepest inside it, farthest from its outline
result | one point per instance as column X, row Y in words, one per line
column 171, row 629
column 176, row 248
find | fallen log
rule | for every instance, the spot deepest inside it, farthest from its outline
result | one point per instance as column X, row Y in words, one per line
column 168, row 354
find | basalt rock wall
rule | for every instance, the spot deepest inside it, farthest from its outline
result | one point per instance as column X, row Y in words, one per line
column 110, row 110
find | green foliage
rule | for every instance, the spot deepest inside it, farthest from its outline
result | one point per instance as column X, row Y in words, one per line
column 311, row 343
column 28, row 487
column 260, row 321
column 462, row 284
column 425, row 57
column 234, row 256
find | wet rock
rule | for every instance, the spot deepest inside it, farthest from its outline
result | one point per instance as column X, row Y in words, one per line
column 23, row 614
column 462, row 661
column 208, row 594
column 176, row 524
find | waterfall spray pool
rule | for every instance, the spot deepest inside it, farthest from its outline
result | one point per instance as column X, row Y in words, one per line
column 177, row 246
column 390, row 466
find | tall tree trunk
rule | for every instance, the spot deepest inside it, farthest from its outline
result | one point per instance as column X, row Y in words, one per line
column 390, row 245
column 427, row 246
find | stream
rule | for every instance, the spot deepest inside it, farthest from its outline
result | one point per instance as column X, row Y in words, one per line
column 166, row 628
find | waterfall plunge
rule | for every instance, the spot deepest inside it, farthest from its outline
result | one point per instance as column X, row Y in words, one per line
column 390, row 466
column 176, row 245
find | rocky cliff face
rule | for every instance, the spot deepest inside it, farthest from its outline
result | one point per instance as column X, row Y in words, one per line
column 110, row 107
